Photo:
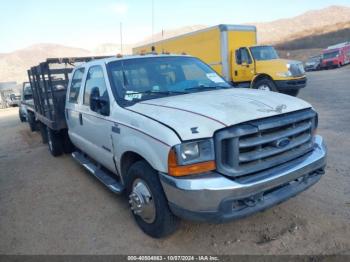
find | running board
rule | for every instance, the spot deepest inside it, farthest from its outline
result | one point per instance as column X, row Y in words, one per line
column 109, row 181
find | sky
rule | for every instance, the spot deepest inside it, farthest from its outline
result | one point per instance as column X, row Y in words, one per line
column 88, row 23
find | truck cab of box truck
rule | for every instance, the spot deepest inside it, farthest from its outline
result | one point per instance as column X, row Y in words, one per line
column 232, row 51
column 262, row 67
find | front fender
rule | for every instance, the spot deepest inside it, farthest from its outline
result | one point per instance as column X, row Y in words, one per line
column 152, row 150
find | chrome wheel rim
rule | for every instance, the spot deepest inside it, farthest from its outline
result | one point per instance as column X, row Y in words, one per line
column 264, row 87
column 141, row 201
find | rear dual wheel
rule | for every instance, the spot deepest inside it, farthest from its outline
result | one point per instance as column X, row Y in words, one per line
column 55, row 143
column 58, row 142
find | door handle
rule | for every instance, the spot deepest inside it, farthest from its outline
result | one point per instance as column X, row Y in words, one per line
column 80, row 119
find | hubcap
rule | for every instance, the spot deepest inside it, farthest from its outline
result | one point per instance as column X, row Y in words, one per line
column 264, row 87
column 141, row 201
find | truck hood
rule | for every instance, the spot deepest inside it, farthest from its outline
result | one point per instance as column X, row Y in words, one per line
column 199, row 115
column 278, row 65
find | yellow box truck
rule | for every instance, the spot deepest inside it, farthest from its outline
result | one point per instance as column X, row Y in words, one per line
column 232, row 51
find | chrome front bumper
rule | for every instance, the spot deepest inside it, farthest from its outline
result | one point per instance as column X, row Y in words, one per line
column 216, row 198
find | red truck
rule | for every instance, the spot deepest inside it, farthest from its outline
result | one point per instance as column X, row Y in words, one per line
column 336, row 55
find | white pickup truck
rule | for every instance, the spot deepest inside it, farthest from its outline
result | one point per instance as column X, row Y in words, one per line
column 182, row 142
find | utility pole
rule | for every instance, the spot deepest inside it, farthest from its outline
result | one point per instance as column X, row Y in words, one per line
column 152, row 21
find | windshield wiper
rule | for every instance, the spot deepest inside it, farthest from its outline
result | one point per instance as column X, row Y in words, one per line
column 147, row 92
column 206, row 88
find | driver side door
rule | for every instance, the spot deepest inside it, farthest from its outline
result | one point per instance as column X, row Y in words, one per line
column 94, row 125
column 243, row 69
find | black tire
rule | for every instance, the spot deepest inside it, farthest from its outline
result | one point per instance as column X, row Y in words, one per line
column 21, row 117
column 265, row 82
column 31, row 121
column 55, row 142
column 165, row 222
column 68, row 146
column 292, row 92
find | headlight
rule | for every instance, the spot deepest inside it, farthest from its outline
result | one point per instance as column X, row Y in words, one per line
column 284, row 74
column 194, row 152
column 191, row 158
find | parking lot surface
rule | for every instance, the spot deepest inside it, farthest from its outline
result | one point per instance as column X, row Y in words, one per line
column 53, row 206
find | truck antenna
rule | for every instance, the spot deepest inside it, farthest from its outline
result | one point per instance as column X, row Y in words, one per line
column 152, row 21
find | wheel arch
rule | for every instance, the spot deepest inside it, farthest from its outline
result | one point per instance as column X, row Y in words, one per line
column 259, row 77
column 128, row 158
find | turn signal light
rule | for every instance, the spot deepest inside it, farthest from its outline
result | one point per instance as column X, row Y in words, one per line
column 178, row 171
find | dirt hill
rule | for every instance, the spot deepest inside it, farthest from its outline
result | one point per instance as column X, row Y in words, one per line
column 282, row 30
column 14, row 65
column 318, row 38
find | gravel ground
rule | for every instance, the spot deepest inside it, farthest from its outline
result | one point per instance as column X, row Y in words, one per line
column 53, row 206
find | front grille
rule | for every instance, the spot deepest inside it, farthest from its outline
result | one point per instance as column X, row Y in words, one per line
column 329, row 63
column 297, row 69
column 262, row 144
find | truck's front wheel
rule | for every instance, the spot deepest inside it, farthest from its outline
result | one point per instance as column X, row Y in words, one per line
column 54, row 140
column 148, row 202
column 31, row 121
column 265, row 84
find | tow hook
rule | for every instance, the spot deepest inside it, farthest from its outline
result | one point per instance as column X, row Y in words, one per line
column 252, row 201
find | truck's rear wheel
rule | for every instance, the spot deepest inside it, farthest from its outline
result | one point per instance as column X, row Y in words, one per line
column 148, row 202
column 55, row 142
column 265, row 84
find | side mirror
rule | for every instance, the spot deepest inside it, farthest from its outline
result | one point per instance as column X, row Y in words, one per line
column 95, row 99
column 97, row 103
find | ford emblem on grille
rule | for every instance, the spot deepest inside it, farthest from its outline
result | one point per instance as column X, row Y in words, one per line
column 283, row 142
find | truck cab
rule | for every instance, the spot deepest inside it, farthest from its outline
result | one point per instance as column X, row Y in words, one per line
column 181, row 142
column 262, row 66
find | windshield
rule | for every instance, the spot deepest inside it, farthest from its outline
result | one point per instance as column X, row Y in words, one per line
column 263, row 53
column 147, row 78
column 314, row 59
column 330, row 55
